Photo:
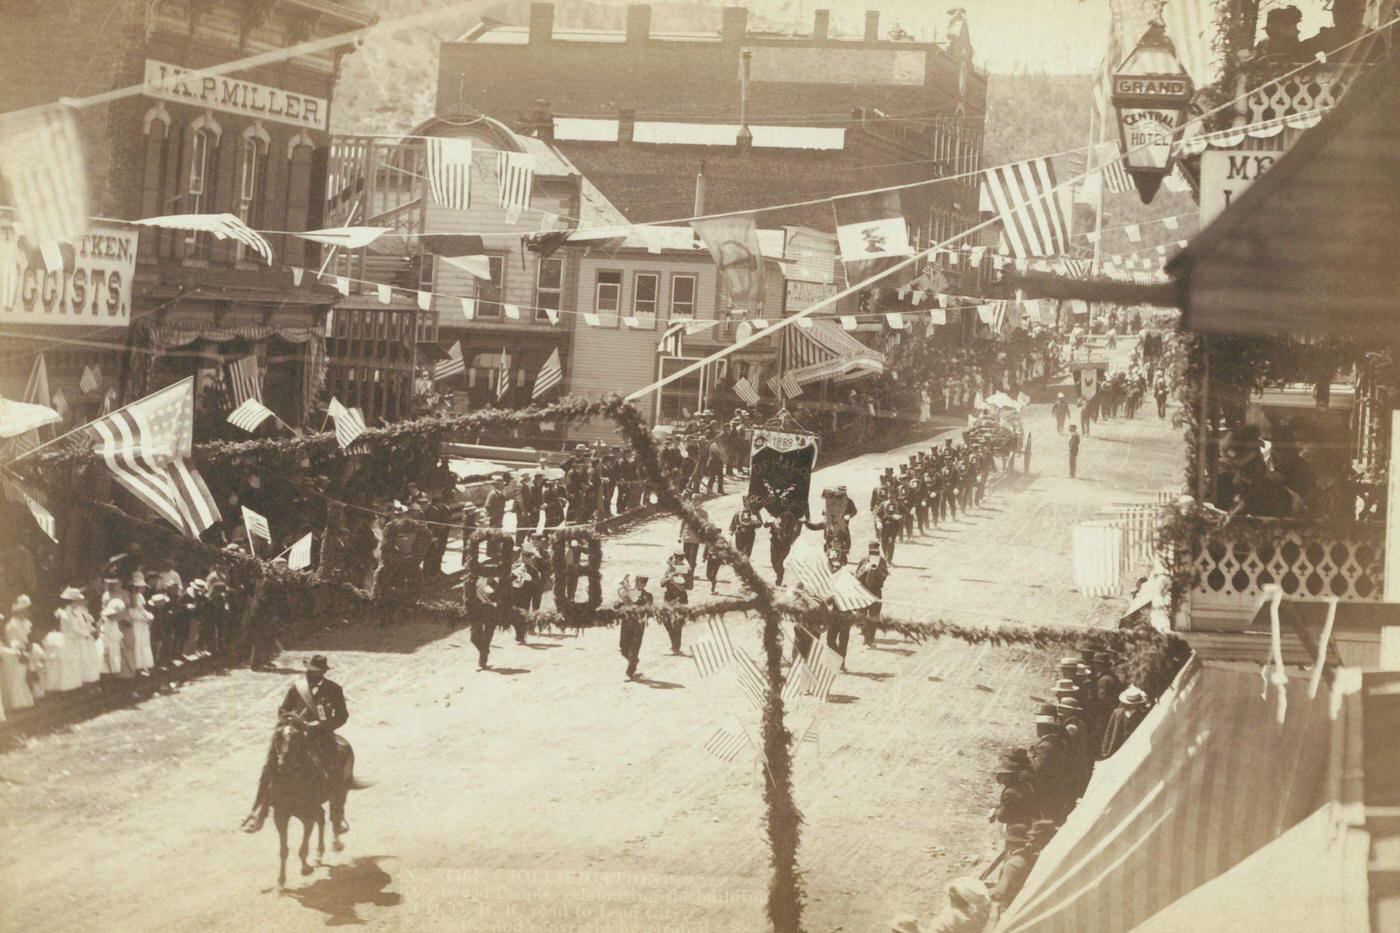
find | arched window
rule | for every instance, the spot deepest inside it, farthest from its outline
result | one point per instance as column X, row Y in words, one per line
column 156, row 172
column 201, row 181
column 299, row 153
column 252, row 179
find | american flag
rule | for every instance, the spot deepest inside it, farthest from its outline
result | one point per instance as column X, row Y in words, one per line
column 727, row 743
column 454, row 365
column 91, row 379
column 449, row 171
column 673, row 339
column 41, row 160
column 1024, row 196
column 17, row 494
column 746, row 392
column 1077, row 268
column 810, row 735
column 797, row 682
column 349, row 423
column 256, row 524
column 146, row 445
column 503, row 376
column 751, row 679
column 299, row 554
column 517, row 172
column 714, row 651
column 550, row 375
column 841, row 586
column 824, row 666
column 243, row 380
column 249, row 415
column 1115, row 177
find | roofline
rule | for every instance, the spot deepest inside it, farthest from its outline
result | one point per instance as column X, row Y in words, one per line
column 1282, row 173
column 350, row 14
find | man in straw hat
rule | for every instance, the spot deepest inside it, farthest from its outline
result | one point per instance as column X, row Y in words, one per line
column 317, row 704
column 1132, row 707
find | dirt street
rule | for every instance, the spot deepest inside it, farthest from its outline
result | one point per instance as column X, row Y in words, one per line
column 551, row 794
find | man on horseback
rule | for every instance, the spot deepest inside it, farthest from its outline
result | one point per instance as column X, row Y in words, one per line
column 316, row 706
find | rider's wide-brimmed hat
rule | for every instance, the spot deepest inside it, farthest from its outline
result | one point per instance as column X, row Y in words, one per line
column 317, row 662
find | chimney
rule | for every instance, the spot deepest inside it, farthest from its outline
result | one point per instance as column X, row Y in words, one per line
column 872, row 25
column 699, row 209
column 734, row 26
column 626, row 125
column 541, row 23
column 821, row 26
column 745, row 137
column 638, row 23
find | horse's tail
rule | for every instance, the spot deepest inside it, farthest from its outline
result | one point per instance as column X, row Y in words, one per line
column 351, row 782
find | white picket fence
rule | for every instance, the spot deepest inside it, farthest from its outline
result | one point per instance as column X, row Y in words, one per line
column 1112, row 552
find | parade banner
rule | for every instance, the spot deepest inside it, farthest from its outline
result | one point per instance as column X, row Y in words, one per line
column 90, row 286
column 780, row 470
column 233, row 95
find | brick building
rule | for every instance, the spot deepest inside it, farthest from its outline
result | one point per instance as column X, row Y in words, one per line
column 251, row 143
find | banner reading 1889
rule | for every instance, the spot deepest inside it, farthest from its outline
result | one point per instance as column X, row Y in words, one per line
column 86, row 283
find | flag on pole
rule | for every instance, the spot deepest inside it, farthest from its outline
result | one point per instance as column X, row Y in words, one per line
column 449, row 171
column 549, row 376
column 41, row 160
column 713, row 651
column 810, row 735
column 746, row 392
column 517, row 172
column 733, row 243
column 454, row 365
column 726, row 743
column 1023, row 195
column 299, row 554
column 797, row 681
column 91, row 380
column 823, row 664
column 256, row 524
column 249, row 415
column 503, row 376
column 349, row 423
column 36, row 389
column 673, row 339
column 243, row 380
column 751, row 679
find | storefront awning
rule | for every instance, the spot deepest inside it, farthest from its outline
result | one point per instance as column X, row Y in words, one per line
column 825, row 351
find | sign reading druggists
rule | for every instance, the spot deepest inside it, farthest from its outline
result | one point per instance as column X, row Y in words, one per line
column 92, row 287
column 233, row 95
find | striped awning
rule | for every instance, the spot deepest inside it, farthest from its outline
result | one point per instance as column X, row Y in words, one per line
column 825, row 351
column 1209, row 778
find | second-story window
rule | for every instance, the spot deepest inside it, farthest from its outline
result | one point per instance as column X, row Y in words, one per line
column 489, row 294
column 549, row 286
column 252, row 185
column 646, row 286
column 608, row 297
column 200, row 188
column 682, row 296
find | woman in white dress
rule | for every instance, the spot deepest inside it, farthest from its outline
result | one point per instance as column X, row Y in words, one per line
column 140, row 617
column 80, row 657
column 112, row 614
column 56, row 661
column 14, row 686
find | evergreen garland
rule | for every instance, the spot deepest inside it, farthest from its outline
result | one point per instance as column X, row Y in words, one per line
column 577, row 614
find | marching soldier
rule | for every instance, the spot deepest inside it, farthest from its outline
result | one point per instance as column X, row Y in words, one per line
column 632, row 629
column 872, row 572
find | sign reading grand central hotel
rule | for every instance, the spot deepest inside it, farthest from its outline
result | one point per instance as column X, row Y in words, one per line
column 233, row 95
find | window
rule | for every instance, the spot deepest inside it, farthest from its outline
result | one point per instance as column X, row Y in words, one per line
column 299, row 155
column 252, row 186
column 682, row 296
column 201, row 181
column 679, row 399
column 607, row 297
column 646, row 286
column 549, row 286
column 489, row 294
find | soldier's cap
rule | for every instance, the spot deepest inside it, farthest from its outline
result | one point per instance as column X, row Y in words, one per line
column 874, row 547
column 317, row 662
column 1017, row 834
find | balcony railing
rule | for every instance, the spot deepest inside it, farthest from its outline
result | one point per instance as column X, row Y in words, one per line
column 1314, row 89
column 1236, row 564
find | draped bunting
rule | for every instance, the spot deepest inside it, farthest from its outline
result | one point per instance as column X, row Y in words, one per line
column 175, row 335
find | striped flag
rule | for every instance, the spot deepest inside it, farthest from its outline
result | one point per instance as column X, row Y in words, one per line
column 17, row 494
column 549, row 376
column 746, row 392
column 503, row 379
column 243, row 380
column 146, row 445
column 221, row 226
column 824, row 665
column 714, row 651
column 449, row 171
column 1024, row 197
column 673, row 339
column 36, row 389
column 841, row 587
column 798, row 680
column 727, row 743
column 256, row 524
column 249, row 415
column 91, row 379
column 1115, row 177
column 810, row 735
column 299, row 554
column 454, row 365
column 41, row 161
column 751, row 679
column 349, row 423
column 517, row 172
column 1077, row 268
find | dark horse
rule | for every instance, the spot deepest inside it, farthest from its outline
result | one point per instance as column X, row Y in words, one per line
column 299, row 790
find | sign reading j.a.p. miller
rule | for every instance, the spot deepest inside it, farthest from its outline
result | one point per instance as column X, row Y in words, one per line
column 233, row 95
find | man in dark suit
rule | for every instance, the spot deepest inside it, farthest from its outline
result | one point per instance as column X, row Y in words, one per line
column 317, row 705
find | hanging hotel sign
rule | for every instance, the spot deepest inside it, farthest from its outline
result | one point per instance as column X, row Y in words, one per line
column 83, row 284
column 233, row 95
column 1226, row 173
